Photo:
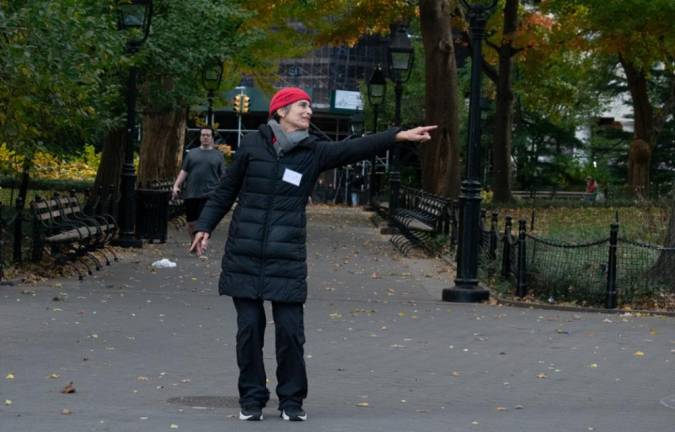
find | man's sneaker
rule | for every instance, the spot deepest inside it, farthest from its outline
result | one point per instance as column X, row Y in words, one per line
column 293, row 414
column 253, row 413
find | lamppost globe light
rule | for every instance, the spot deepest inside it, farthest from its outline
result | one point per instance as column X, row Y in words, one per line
column 212, row 75
column 134, row 16
column 377, row 87
column 401, row 55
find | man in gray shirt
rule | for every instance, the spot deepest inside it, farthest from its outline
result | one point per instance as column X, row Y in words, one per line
column 202, row 167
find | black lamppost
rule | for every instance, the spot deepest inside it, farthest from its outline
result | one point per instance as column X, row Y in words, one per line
column 466, row 287
column 401, row 58
column 377, row 89
column 134, row 19
column 212, row 75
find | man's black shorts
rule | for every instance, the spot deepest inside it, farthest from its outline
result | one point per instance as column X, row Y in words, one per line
column 193, row 208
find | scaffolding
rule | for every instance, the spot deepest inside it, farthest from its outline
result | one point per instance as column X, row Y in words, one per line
column 328, row 68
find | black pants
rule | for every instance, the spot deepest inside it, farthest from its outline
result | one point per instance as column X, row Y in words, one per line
column 290, row 338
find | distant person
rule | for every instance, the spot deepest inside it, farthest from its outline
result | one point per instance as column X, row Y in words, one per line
column 272, row 175
column 355, row 186
column 591, row 189
column 202, row 167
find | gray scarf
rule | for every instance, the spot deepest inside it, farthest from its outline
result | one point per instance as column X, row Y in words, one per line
column 285, row 142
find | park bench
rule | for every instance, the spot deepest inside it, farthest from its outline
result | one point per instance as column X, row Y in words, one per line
column 70, row 234
column 549, row 195
column 421, row 217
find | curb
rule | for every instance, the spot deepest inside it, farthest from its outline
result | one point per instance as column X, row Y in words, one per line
column 564, row 308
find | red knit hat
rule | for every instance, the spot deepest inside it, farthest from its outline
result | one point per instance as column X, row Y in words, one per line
column 287, row 96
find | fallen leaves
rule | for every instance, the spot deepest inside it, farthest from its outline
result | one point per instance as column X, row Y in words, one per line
column 639, row 354
column 69, row 389
column 10, row 376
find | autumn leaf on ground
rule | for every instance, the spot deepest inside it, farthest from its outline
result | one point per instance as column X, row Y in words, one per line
column 70, row 388
column 362, row 405
column 639, row 354
column 10, row 376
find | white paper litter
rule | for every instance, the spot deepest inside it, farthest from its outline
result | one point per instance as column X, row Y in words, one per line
column 164, row 263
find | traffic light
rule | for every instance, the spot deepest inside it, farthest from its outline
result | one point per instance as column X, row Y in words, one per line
column 237, row 104
column 245, row 104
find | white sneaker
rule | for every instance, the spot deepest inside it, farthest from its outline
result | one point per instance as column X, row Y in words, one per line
column 293, row 414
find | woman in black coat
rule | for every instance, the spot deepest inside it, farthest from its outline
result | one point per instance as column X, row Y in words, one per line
column 272, row 176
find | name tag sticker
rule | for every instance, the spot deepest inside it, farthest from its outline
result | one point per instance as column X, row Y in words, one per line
column 292, row 177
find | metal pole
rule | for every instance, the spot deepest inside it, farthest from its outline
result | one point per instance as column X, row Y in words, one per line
column 521, row 278
column 209, row 115
column 466, row 287
column 373, row 161
column 394, row 174
column 239, row 132
column 611, row 267
column 126, row 215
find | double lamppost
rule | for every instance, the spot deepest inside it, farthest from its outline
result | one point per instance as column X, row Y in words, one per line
column 377, row 90
column 212, row 75
column 401, row 58
column 134, row 19
column 466, row 288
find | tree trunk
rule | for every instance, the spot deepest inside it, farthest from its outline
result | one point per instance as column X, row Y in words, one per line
column 640, row 153
column 110, row 167
column 161, row 146
column 440, row 156
column 501, row 146
column 664, row 269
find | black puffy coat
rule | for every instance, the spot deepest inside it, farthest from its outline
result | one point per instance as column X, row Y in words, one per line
column 265, row 253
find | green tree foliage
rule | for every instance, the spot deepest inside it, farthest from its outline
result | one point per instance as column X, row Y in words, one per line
column 639, row 35
column 185, row 37
column 54, row 61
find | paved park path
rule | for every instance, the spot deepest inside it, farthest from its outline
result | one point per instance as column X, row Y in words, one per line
column 154, row 350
